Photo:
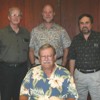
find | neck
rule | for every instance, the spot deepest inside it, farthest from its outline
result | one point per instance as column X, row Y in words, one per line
column 86, row 36
column 48, row 25
column 48, row 71
column 14, row 27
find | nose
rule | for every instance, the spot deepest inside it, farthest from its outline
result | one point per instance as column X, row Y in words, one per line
column 47, row 14
column 46, row 57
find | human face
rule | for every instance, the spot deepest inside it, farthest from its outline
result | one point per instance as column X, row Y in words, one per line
column 48, row 14
column 85, row 25
column 47, row 58
column 14, row 17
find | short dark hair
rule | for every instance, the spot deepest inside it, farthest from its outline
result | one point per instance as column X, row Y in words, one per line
column 46, row 46
column 85, row 15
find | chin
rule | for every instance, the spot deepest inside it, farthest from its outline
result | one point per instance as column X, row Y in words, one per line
column 48, row 21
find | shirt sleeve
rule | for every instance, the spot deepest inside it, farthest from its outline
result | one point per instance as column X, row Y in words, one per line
column 72, row 92
column 25, row 86
column 32, row 39
column 65, row 39
column 72, row 51
column 70, row 88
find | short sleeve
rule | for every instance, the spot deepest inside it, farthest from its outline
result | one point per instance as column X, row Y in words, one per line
column 65, row 39
column 25, row 86
column 70, row 89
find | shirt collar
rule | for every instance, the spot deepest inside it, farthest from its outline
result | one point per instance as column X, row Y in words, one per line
column 90, row 36
column 52, row 27
column 11, row 30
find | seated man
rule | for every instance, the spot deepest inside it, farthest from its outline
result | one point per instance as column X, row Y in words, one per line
column 48, row 81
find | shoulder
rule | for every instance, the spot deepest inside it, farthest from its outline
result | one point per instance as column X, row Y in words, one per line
column 38, row 27
column 97, row 34
column 62, row 70
column 24, row 29
column 35, row 68
column 77, row 37
column 59, row 27
column 4, row 31
column 25, row 32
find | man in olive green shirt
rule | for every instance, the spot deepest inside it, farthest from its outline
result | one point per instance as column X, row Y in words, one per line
column 14, row 42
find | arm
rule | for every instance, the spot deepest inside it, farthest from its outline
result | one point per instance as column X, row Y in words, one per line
column 72, row 66
column 31, row 56
column 65, row 54
column 65, row 39
column 23, row 98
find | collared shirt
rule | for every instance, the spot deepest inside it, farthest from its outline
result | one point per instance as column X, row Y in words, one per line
column 14, row 46
column 86, row 53
column 37, row 86
column 56, row 36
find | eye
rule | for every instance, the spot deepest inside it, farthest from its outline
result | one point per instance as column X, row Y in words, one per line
column 15, row 15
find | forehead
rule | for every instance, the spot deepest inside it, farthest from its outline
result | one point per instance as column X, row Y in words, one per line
column 48, row 7
column 14, row 10
column 46, row 51
column 84, row 19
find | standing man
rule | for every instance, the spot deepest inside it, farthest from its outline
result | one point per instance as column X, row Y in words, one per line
column 48, row 81
column 49, row 32
column 14, row 42
column 85, row 59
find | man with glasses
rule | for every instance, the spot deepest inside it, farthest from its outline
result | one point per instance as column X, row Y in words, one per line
column 14, row 41
column 48, row 81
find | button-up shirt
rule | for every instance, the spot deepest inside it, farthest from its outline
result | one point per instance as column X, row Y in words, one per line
column 56, row 36
column 14, row 46
column 37, row 86
column 86, row 53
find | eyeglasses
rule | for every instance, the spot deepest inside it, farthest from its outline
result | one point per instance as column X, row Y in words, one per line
column 15, row 15
column 48, row 56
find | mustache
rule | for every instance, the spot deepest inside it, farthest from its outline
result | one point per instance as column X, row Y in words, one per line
column 84, row 27
column 46, row 62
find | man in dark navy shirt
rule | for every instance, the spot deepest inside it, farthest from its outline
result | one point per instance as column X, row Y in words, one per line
column 84, row 58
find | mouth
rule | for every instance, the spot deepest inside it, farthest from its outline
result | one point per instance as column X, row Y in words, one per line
column 85, row 29
column 46, row 62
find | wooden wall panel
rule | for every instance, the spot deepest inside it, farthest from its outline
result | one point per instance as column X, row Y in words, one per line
column 4, row 6
column 68, row 16
column 71, row 9
column 33, row 10
column 87, row 6
column 3, row 13
column 32, row 13
column 67, row 12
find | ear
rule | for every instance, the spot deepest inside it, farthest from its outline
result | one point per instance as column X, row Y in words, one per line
column 8, row 18
column 39, row 59
column 55, row 57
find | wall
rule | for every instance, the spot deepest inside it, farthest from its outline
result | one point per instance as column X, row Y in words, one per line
column 67, row 12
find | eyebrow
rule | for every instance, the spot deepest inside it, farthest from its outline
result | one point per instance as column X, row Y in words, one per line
column 86, row 22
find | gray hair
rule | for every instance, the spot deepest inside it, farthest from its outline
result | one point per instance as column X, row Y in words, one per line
column 46, row 46
column 14, row 8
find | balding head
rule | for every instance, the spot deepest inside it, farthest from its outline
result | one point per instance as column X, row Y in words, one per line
column 48, row 6
column 13, row 9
